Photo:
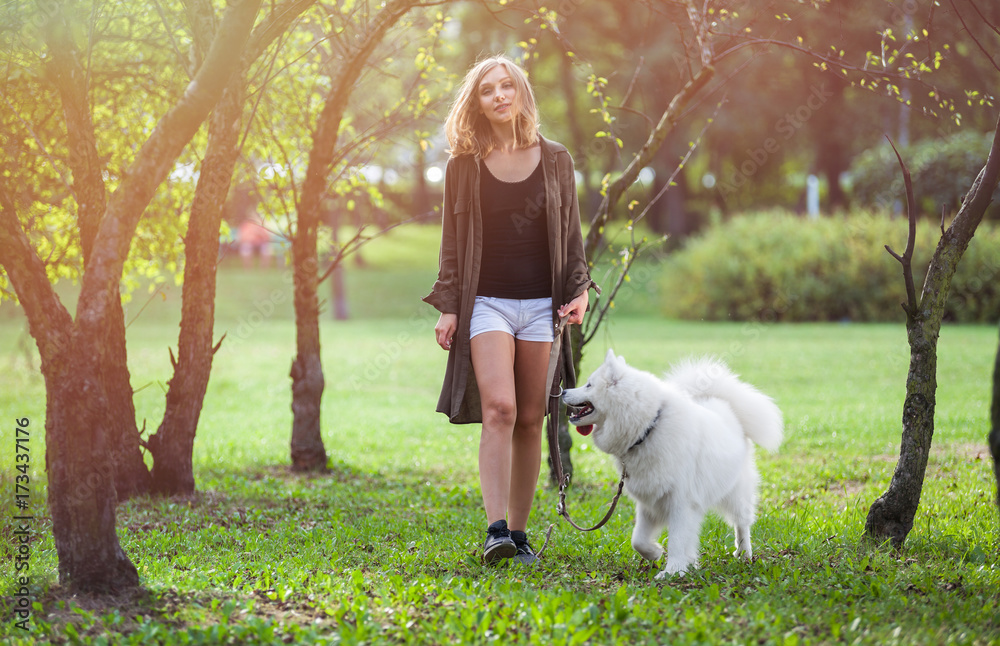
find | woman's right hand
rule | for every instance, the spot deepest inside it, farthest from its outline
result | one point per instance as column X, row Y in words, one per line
column 445, row 329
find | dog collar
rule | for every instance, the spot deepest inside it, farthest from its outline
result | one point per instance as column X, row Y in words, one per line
column 645, row 434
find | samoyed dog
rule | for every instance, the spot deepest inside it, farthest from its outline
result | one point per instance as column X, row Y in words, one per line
column 685, row 443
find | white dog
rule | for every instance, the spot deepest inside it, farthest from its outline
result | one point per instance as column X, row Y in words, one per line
column 685, row 444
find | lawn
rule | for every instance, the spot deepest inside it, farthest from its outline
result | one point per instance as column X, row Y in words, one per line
column 384, row 548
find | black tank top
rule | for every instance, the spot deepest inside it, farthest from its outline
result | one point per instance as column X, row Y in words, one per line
column 515, row 237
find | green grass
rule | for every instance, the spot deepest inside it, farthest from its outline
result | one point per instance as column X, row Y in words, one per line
column 384, row 549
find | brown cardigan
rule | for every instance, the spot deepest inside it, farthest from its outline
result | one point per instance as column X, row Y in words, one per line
column 460, row 259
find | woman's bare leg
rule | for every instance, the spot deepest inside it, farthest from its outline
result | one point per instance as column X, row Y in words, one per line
column 493, row 362
column 531, row 362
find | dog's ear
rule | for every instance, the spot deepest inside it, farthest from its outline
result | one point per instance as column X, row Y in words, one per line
column 613, row 365
column 612, row 359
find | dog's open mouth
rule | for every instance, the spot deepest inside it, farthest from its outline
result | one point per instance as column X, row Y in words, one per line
column 576, row 413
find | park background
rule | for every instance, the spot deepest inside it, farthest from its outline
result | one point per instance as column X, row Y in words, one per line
column 767, row 251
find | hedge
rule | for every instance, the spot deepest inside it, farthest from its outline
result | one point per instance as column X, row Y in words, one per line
column 942, row 169
column 781, row 267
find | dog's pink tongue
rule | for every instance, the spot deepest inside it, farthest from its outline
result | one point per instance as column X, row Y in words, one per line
column 585, row 430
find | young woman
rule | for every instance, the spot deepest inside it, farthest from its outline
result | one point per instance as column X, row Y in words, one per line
column 511, row 264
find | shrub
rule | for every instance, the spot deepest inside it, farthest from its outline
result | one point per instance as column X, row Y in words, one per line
column 779, row 267
column 942, row 170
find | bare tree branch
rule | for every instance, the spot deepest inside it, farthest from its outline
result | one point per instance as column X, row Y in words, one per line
column 201, row 18
column 973, row 36
column 684, row 160
column 986, row 21
column 749, row 41
column 275, row 24
column 181, row 61
column 631, row 84
column 702, row 32
column 608, row 296
column 67, row 74
column 911, row 306
column 48, row 319
column 666, row 125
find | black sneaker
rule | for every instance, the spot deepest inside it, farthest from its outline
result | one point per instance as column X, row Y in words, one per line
column 525, row 555
column 498, row 543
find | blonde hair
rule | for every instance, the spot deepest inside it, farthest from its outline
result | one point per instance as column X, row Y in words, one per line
column 469, row 131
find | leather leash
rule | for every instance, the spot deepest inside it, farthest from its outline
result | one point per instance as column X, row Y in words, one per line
column 556, row 357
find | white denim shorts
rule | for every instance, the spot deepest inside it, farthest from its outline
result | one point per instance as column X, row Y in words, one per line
column 527, row 319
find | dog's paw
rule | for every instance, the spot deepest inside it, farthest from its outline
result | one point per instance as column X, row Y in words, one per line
column 666, row 573
column 651, row 551
column 673, row 568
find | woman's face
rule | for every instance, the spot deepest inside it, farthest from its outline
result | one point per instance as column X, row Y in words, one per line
column 496, row 96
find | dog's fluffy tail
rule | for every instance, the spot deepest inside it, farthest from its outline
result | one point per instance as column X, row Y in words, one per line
column 757, row 413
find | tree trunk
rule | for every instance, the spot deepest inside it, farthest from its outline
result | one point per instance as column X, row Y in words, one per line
column 67, row 74
column 130, row 471
column 994, row 437
column 570, row 372
column 833, row 156
column 579, row 139
column 341, row 311
column 891, row 516
column 421, row 196
column 81, row 474
column 307, row 450
column 173, row 444
column 80, row 449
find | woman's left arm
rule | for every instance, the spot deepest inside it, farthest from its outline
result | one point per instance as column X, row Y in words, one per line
column 577, row 273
